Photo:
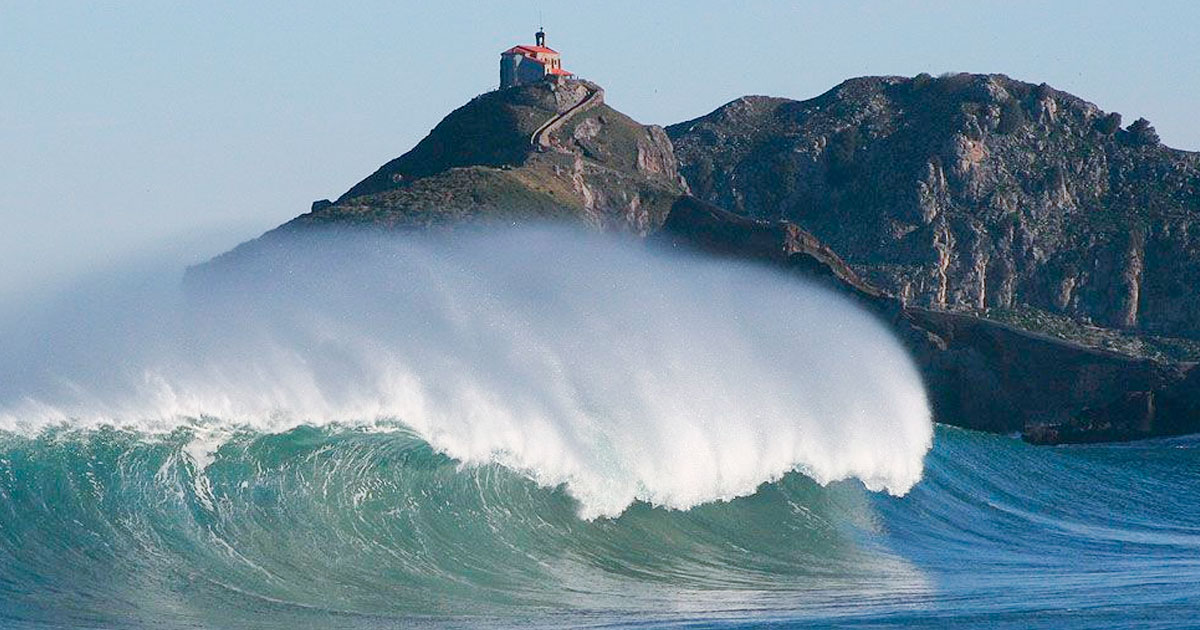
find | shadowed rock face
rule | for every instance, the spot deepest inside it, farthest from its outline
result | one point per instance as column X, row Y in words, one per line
column 694, row 223
column 969, row 192
column 980, row 374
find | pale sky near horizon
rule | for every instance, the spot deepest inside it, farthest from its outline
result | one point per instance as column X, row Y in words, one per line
column 191, row 126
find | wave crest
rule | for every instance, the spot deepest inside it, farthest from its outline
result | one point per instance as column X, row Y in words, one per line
column 624, row 373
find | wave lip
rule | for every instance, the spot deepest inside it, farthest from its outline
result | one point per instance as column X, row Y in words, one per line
column 624, row 373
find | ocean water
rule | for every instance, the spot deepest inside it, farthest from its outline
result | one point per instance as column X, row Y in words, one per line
column 539, row 428
column 345, row 528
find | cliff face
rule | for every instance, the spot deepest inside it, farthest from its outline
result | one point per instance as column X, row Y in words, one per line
column 969, row 192
column 979, row 374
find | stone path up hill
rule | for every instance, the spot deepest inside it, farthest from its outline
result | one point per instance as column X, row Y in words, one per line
column 593, row 164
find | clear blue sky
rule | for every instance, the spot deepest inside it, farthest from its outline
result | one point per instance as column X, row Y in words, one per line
column 146, row 124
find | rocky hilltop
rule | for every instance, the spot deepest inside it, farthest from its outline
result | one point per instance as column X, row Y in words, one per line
column 1019, row 241
column 970, row 192
column 548, row 150
column 551, row 151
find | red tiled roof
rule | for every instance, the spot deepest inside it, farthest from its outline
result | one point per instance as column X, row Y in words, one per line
column 558, row 71
column 529, row 50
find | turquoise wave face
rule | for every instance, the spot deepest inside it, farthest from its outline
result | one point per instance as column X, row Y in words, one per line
column 345, row 527
column 111, row 525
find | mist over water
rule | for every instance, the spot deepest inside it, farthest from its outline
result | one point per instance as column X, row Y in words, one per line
column 624, row 372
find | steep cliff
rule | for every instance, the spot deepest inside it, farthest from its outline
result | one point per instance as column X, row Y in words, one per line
column 969, row 192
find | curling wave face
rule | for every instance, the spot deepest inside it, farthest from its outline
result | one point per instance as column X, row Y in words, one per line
column 621, row 373
column 336, row 527
column 345, row 527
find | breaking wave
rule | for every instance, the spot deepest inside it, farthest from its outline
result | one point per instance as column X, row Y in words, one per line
column 622, row 372
column 536, row 428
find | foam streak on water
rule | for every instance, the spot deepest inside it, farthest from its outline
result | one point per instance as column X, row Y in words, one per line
column 623, row 372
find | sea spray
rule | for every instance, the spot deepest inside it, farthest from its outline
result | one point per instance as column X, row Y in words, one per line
column 625, row 373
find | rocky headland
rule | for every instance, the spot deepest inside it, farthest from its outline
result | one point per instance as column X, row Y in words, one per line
column 1036, row 256
column 969, row 192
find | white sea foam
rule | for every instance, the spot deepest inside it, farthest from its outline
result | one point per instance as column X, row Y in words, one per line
column 624, row 373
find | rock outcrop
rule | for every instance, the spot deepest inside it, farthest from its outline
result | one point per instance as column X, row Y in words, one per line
column 591, row 164
column 969, row 192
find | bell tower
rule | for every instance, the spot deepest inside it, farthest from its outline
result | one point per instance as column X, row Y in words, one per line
column 540, row 37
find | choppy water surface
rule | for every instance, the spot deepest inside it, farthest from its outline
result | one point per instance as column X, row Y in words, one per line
column 341, row 527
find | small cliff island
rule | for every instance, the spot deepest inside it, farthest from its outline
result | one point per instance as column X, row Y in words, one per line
column 1037, row 257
